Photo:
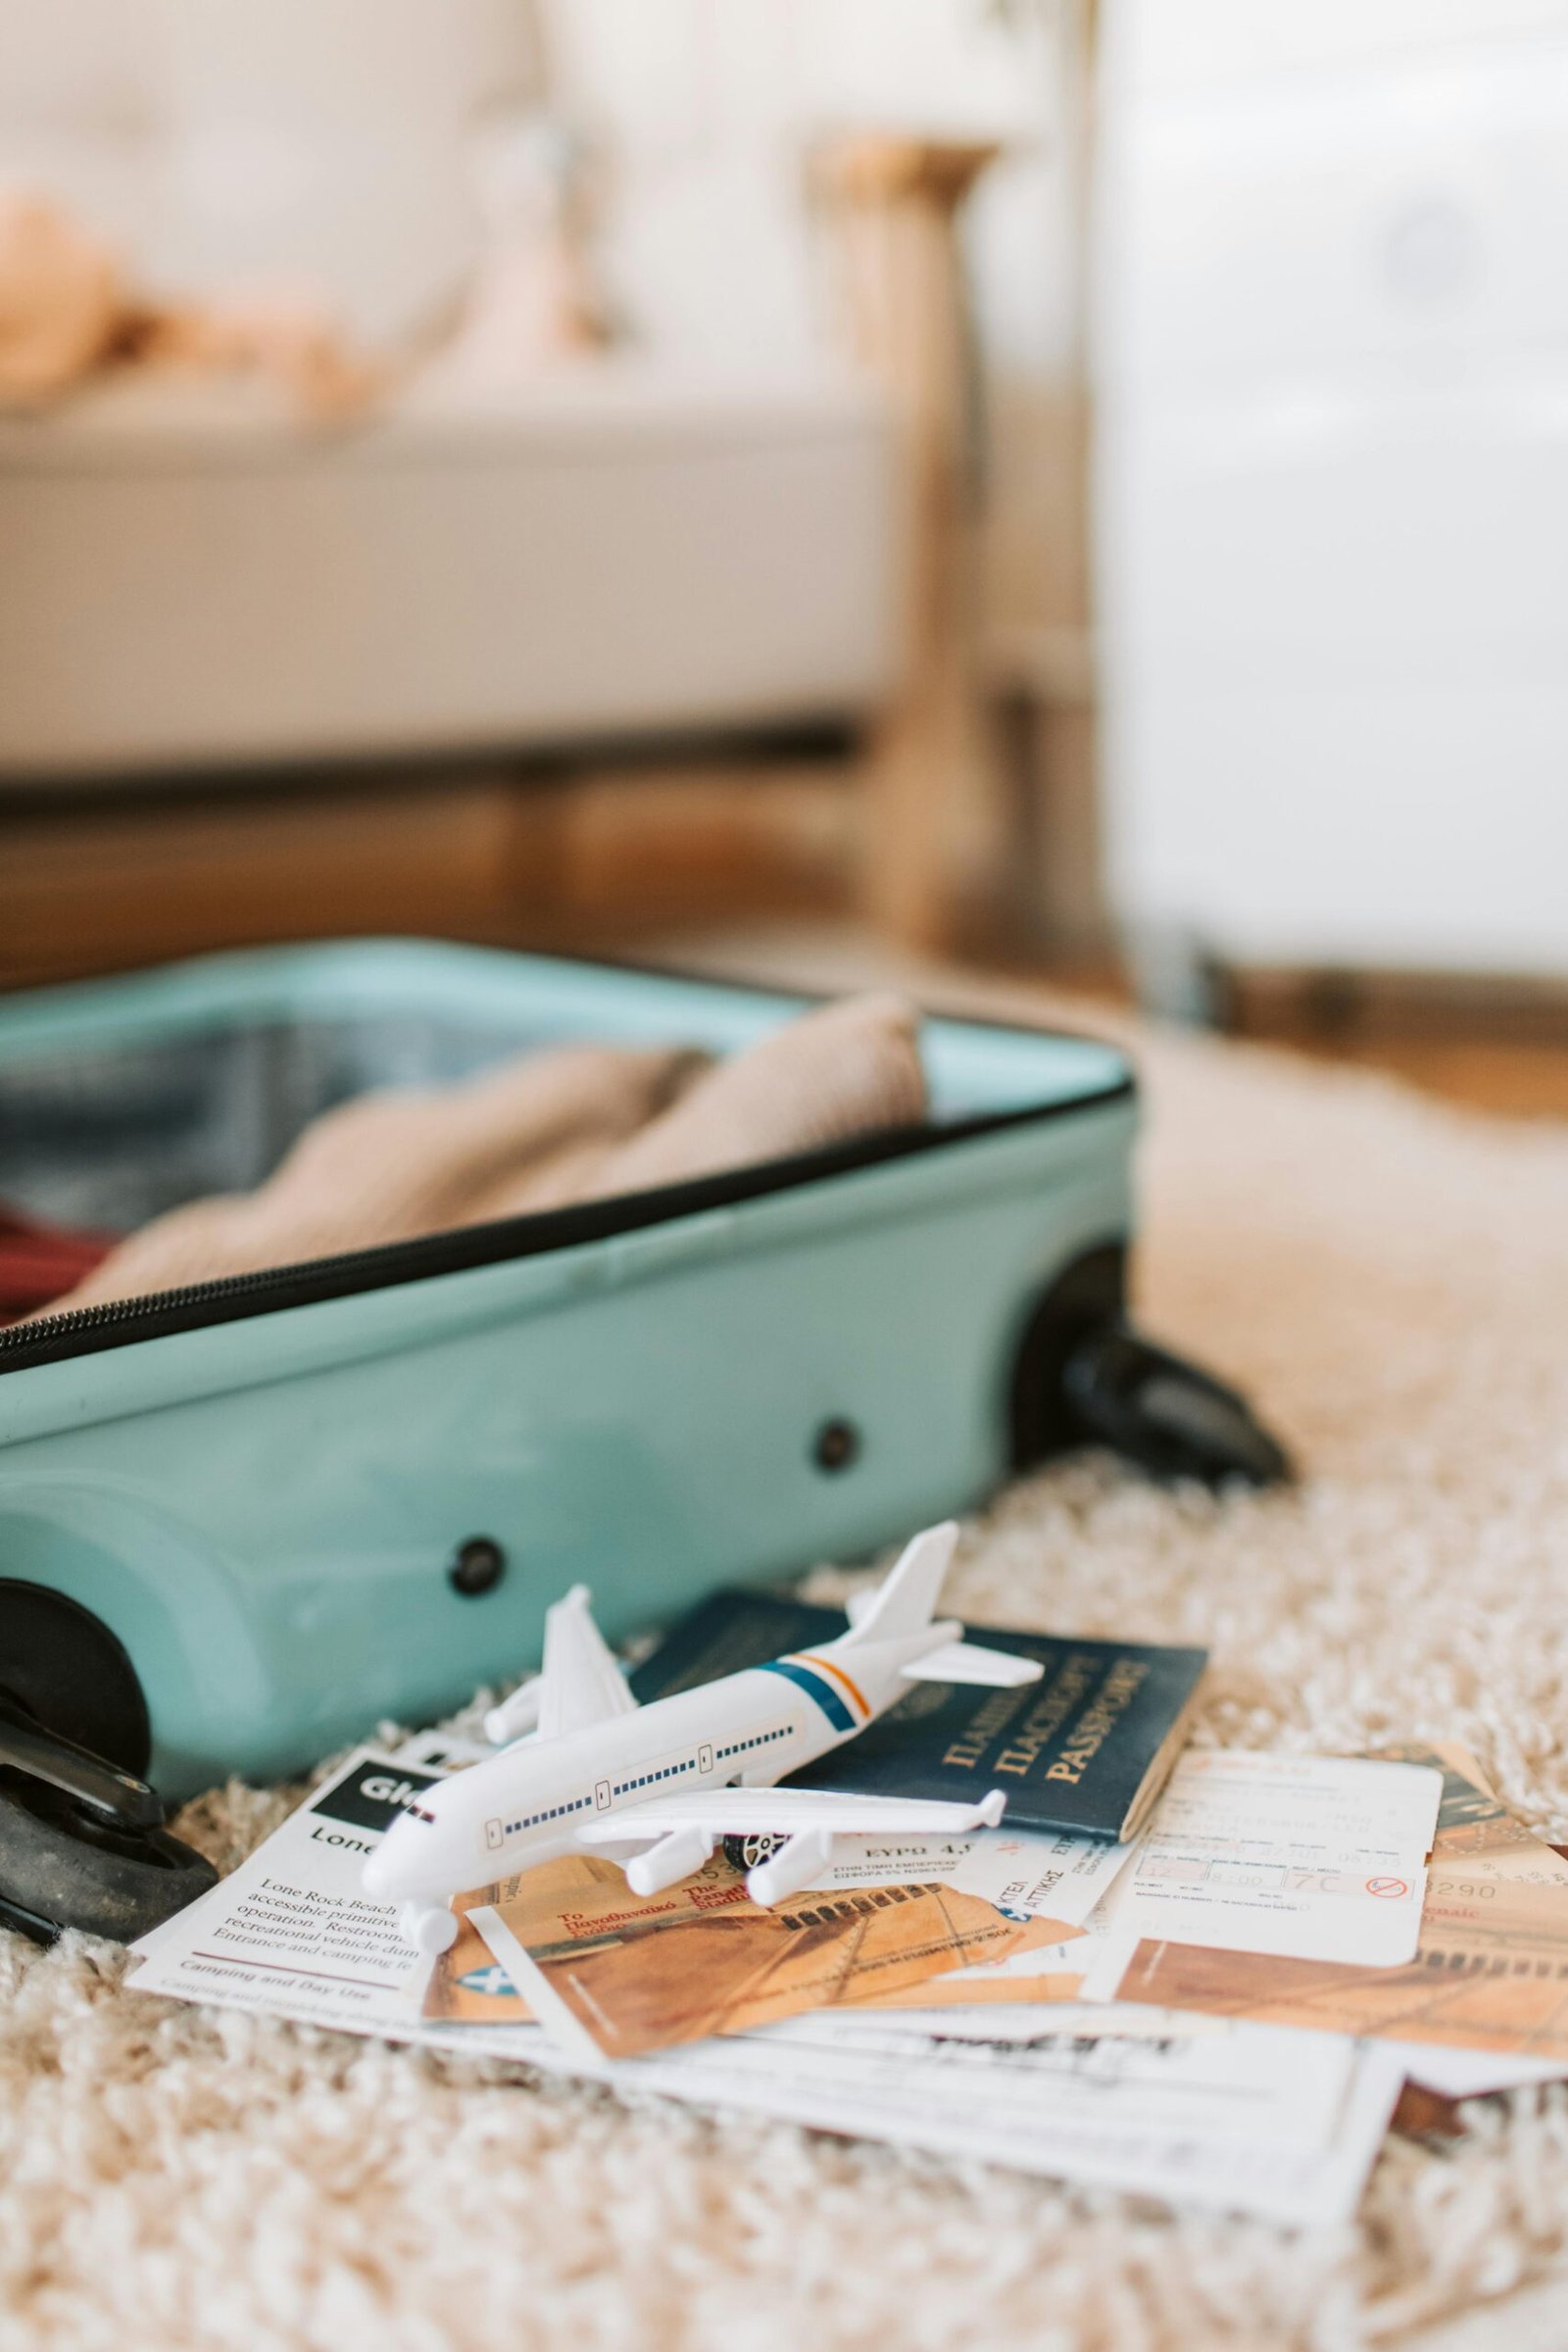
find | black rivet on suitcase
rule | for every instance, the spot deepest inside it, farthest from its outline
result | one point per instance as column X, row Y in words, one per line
column 476, row 1567
column 836, row 1444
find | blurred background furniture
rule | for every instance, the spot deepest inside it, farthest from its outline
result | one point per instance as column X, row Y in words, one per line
column 905, row 303
column 616, row 549
column 718, row 550
column 693, row 548
column 214, row 621
column 1332, row 485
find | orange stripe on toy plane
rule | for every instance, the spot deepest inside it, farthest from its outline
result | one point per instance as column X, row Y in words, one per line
column 808, row 1657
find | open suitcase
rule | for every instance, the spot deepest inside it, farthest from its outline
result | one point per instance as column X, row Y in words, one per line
column 240, row 1522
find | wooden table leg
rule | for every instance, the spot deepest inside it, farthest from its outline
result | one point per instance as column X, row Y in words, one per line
column 894, row 204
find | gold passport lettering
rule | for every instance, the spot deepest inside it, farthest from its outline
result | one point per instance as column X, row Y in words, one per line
column 1100, row 1719
column 987, row 1721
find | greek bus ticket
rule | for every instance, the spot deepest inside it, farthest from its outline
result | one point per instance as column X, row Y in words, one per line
column 1306, row 1857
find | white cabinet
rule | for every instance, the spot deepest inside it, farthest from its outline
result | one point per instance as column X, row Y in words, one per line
column 1332, row 479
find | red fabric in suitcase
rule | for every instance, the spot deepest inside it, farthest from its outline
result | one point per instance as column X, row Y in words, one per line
column 39, row 1262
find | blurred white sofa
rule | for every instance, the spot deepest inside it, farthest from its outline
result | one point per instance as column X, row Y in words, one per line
column 193, row 580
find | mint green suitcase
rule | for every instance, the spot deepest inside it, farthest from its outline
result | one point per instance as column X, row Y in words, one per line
column 240, row 1523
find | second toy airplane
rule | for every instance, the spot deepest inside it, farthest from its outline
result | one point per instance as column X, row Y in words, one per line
column 657, row 1787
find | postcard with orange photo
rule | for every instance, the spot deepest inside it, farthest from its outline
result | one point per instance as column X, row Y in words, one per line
column 604, row 1969
column 1490, row 1968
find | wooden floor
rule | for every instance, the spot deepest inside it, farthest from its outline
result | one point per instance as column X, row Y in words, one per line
column 1498, row 1044
column 1495, row 1046
column 1526, row 1080
column 610, row 860
column 1490, row 1045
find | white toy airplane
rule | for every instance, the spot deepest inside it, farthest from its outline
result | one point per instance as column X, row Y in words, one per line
column 657, row 1787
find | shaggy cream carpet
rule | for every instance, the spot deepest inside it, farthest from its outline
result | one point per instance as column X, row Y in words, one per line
column 1390, row 1280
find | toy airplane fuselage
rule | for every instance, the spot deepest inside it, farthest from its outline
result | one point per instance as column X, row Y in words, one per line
column 657, row 1787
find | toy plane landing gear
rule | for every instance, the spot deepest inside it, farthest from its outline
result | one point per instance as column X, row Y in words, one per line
column 431, row 1927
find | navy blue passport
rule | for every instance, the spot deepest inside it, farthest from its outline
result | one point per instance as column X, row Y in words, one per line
column 1087, row 1748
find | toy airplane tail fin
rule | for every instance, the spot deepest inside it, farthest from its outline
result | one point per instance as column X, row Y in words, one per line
column 905, row 1600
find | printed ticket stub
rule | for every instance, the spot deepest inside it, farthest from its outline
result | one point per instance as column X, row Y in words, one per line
column 1483, row 2003
column 1025, row 1873
column 466, row 1985
column 1305, row 1857
column 1046, row 1975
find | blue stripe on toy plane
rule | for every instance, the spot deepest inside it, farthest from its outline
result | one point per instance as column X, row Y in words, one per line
column 818, row 1687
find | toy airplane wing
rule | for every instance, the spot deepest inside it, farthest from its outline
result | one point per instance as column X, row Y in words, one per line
column 786, row 1812
column 795, row 1826
column 580, row 1684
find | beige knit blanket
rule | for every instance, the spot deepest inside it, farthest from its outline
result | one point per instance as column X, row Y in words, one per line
column 1390, row 1279
column 566, row 1124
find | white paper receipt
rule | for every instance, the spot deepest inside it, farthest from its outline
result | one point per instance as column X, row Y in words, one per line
column 1305, row 1857
column 1025, row 1873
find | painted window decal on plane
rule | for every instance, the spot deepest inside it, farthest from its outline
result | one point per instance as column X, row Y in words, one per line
column 531, row 1821
column 646, row 1779
column 738, row 1747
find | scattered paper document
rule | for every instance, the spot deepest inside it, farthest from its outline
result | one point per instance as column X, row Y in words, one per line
column 1047, row 1975
column 1242, row 2125
column 1305, row 1857
column 1042, row 1975
column 467, row 1985
column 1025, row 1873
column 1245, row 2082
column 1489, row 1973
column 1039, row 1877
column 1455, row 2074
column 619, row 1973
column 1002, row 2022
column 290, row 1933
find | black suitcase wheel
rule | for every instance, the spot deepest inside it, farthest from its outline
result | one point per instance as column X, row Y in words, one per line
column 64, row 1666
column 82, row 1841
column 60, row 1867
column 1083, row 1375
column 1167, row 1414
